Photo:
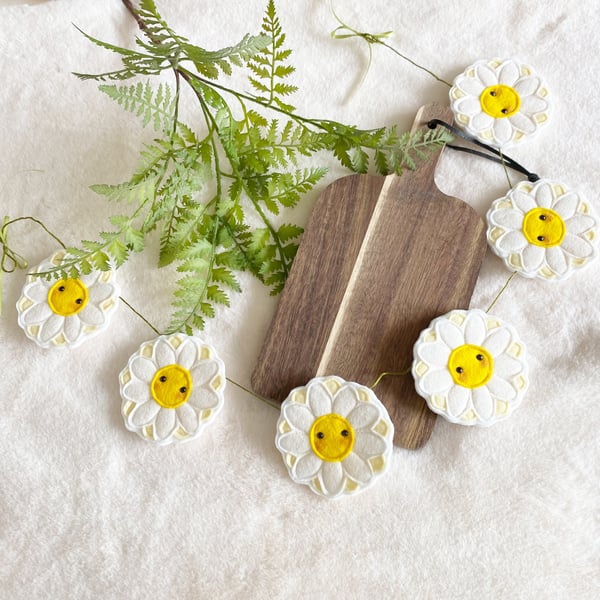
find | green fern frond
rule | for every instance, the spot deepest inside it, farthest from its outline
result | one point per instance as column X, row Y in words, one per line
column 200, row 188
column 154, row 107
column 268, row 66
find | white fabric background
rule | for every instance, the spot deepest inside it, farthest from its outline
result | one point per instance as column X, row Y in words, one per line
column 88, row 510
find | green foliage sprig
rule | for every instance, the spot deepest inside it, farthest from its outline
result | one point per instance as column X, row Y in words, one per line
column 201, row 190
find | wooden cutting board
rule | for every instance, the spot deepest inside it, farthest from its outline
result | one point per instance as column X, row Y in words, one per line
column 379, row 259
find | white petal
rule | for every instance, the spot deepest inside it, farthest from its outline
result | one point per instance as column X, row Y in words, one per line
column 543, row 196
column 332, row 476
column 471, row 86
column 100, row 292
column 188, row 418
column 509, row 73
column 91, row 315
column 37, row 314
column 344, row 401
column 137, row 391
column 498, row 341
column 513, row 241
column 522, row 122
column 475, row 329
column 143, row 369
column 506, row 366
column 486, row 75
column 501, row 389
column 468, row 106
column 510, row 218
column 524, row 202
column 37, row 292
column 186, row 354
column 533, row 257
column 367, row 444
column 163, row 353
column 483, row 403
column 295, row 443
column 450, row 333
column 435, row 354
column 458, row 400
column 566, row 205
column 204, row 372
column 72, row 328
column 533, row 104
column 364, row 416
column 357, row 468
column 577, row 246
column 89, row 279
column 579, row 224
column 527, row 86
column 51, row 327
column 482, row 121
column 319, row 399
column 298, row 416
column 144, row 414
column 165, row 423
column 556, row 259
column 203, row 398
column 306, row 467
column 502, row 131
column 437, row 381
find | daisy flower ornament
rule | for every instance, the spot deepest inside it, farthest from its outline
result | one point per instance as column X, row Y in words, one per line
column 470, row 367
column 66, row 312
column 543, row 230
column 499, row 102
column 172, row 388
column 335, row 436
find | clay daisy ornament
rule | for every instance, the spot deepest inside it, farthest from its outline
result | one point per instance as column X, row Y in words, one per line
column 543, row 230
column 66, row 312
column 335, row 436
column 172, row 388
column 470, row 367
column 500, row 102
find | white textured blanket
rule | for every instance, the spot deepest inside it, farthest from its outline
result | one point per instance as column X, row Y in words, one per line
column 89, row 510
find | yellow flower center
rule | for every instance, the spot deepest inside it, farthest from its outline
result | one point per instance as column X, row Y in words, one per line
column 500, row 101
column 471, row 366
column 331, row 437
column 544, row 227
column 171, row 386
column 67, row 297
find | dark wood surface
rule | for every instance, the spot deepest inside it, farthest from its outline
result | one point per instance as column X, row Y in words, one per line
column 379, row 259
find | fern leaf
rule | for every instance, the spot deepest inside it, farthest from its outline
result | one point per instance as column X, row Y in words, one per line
column 268, row 65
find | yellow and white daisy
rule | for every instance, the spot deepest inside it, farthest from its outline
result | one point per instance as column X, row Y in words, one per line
column 470, row 367
column 543, row 230
column 499, row 102
column 335, row 436
column 172, row 388
column 64, row 313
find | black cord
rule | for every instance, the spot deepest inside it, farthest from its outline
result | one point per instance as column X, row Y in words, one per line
column 499, row 158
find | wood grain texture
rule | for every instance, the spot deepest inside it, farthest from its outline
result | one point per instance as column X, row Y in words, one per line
column 379, row 259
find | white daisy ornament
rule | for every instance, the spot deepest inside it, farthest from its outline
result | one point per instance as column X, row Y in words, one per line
column 172, row 388
column 335, row 436
column 543, row 230
column 499, row 102
column 470, row 368
column 66, row 312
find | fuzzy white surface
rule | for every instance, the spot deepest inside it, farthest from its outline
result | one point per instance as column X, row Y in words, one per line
column 88, row 510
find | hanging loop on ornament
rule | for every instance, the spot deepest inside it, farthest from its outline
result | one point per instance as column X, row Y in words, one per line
column 500, row 157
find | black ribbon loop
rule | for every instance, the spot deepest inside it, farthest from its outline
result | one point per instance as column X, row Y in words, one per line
column 499, row 157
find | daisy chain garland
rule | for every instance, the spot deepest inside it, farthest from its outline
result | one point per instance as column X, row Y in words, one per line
column 335, row 436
